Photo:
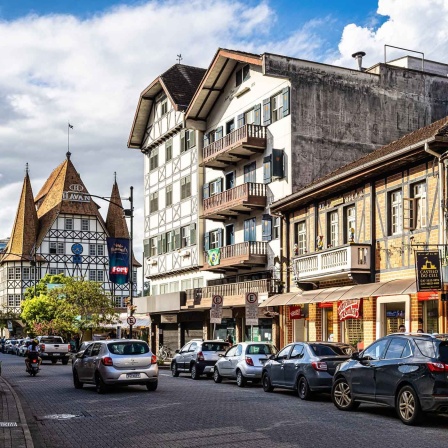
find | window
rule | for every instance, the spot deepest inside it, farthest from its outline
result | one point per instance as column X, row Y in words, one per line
column 92, row 275
column 215, row 186
column 398, row 348
column 152, row 247
column 163, row 107
column 250, row 173
column 188, row 235
column 297, row 351
column 84, row 225
column 153, row 202
column 267, row 171
column 161, row 244
column 230, row 126
column 350, row 224
column 173, row 287
column 14, row 299
column 249, row 117
column 300, row 239
column 185, row 187
column 26, row 274
column 276, row 228
column 395, row 212
column 241, row 75
column 215, row 239
column 375, row 351
column 53, row 271
column 169, row 150
column 249, row 230
column 276, row 107
column 100, row 276
column 154, row 159
column 185, row 284
column 10, row 273
column 170, row 241
column 240, row 121
column 283, row 354
column 92, row 250
column 333, row 229
column 169, row 196
column 418, row 210
column 187, row 140
column 100, row 250
column 198, row 282
column 68, row 224
column 18, row 273
column 266, row 225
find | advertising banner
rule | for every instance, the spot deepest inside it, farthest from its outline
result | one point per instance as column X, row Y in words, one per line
column 429, row 276
column 296, row 312
column 216, row 310
column 251, row 308
column 118, row 249
column 349, row 309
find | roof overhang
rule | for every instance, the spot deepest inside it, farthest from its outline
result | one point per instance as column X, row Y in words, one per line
column 215, row 80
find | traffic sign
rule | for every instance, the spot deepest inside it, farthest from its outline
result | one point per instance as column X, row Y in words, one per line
column 131, row 320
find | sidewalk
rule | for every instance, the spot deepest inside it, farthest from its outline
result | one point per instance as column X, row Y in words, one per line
column 14, row 431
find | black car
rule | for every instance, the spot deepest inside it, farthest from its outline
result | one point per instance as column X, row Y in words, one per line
column 306, row 367
column 407, row 371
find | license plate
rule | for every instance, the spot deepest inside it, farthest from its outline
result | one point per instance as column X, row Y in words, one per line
column 56, row 354
column 132, row 375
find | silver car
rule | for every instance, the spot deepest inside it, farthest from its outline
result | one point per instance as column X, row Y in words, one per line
column 116, row 362
column 243, row 362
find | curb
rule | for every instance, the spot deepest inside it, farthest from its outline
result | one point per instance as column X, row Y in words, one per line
column 26, row 430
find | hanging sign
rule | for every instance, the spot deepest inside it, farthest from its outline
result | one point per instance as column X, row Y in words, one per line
column 296, row 312
column 118, row 249
column 349, row 309
column 251, row 308
column 429, row 277
column 216, row 309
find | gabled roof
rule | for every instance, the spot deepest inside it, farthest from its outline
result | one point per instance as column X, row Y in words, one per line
column 408, row 148
column 215, row 80
column 24, row 232
column 179, row 84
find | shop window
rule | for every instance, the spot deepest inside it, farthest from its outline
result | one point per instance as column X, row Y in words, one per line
column 350, row 224
column 333, row 228
column 154, row 159
column 395, row 215
column 276, row 107
column 241, row 75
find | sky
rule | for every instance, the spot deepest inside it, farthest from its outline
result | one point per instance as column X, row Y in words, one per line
column 87, row 61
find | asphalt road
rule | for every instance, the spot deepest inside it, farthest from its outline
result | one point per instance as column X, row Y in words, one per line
column 187, row 413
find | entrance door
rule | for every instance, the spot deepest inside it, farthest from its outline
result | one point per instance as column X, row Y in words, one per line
column 230, row 235
column 230, row 180
column 392, row 311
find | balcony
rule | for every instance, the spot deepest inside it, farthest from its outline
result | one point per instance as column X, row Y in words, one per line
column 350, row 261
column 238, row 256
column 238, row 145
column 235, row 201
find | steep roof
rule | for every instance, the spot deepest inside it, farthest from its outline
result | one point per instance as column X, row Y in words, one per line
column 179, row 83
column 409, row 147
column 24, row 232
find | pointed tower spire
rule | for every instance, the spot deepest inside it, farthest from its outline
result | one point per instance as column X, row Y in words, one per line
column 24, row 231
column 115, row 221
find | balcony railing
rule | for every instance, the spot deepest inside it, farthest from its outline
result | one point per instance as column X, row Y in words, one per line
column 228, row 203
column 252, row 253
column 240, row 143
column 333, row 263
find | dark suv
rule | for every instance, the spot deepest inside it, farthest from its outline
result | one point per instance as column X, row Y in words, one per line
column 198, row 357
column 407, row 371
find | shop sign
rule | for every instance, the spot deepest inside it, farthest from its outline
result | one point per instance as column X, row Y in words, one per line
column 252, row 308
column 168, row 318
column 325, row 305
column 394, row 314
column 296, row 312
column 349, row 309
column 216, row 309
column 430, row 295
column 427, row 264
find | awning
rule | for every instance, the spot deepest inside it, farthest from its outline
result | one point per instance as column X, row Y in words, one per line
column 278, row 299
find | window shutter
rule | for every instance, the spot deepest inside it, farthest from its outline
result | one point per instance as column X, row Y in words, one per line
column 267, row 228
column 206, row 191
column 408, row 214
column 206, row 241
column 218, row 134
column 266, row 111
column 285, row 94
column 177, row 239
column 159, row 244
column 192, row 139
column 267, row 169
column 278, row 169
column 246, row 230
column 219, row 186
column 164, row 243
column 220, row 237
column 146, row 248
column 240, row 120
column 182, row 140
column 193, row 233
column 257, row 114
column 206, row 142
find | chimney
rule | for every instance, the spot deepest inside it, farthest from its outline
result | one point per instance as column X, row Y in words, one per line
column 358, row 56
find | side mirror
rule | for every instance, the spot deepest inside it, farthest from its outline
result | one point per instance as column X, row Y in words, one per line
column 177, row 351
column 355, row 355
column 272, row 357
column 80, row 355
column 221, row 355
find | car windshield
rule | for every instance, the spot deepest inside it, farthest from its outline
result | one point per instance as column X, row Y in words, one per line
column 328, row 350
column 51, row 340
column 260, row 349
column 128, row 348
column 215, row 346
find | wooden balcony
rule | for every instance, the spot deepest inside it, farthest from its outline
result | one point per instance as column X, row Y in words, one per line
column 352, row 261
column 235, row 201
column 238, row 256
column 238, row 145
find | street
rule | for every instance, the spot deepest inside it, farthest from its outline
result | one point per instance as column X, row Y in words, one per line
column 186, row 413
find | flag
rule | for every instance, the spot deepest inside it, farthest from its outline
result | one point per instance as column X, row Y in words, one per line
column 70, row 126
column 214, row 256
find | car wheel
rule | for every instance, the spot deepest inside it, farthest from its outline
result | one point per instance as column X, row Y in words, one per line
column 194, row 372
column 54, row 361
column 408, row 406
column 342, row 396
column 217, row 378
column 65, row 362
column 99, row 384
column 174, row 371
column 152, row 386
column 240, row 379
column 76, row 382
column 267, row 385
column 303, row 389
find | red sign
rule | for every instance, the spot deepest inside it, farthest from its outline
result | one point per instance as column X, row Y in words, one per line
column 428, row 295
column 296, row 312
column 349, row 309
column 325, row 305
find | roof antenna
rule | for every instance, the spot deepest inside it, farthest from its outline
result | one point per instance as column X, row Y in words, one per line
column 68, row 140
column 179, row 58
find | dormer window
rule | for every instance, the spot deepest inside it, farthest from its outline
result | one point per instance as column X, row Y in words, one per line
column 241, row 75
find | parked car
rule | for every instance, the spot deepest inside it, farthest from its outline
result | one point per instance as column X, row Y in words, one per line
column 82, row 347
column 15, row 349
column 198, row 357
column 116, row 362
column 243, row 362
column 406, row 371
column 9, row 345
column 21, row 351
column 306, row 367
